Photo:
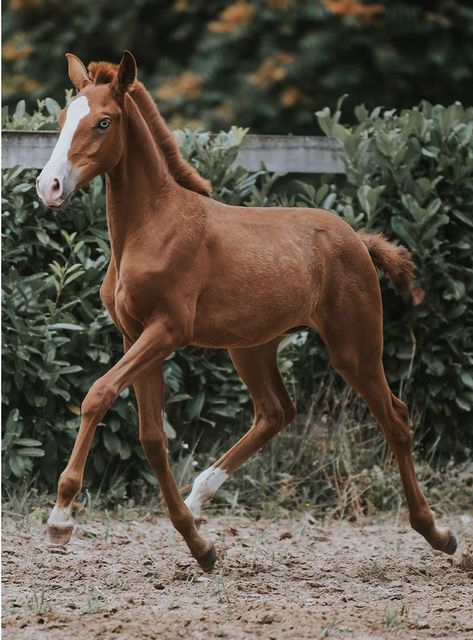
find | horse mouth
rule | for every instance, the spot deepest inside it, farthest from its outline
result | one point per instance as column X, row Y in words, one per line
column 61, row 206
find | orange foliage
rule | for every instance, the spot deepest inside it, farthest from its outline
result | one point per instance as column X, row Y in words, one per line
column 23, row 5
column 187, row 85
column 16, row 48
column 181, row 5
column 278, row 5
column 19, row 84
column 353, row 8
column 224, row 111
column 178, row 121
column 233, row 17
column 292, row 96
column 271, row 69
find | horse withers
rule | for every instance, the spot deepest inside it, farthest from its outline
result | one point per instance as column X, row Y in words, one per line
column 186, row 269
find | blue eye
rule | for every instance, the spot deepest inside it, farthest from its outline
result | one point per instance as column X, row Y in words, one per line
column 103, row 124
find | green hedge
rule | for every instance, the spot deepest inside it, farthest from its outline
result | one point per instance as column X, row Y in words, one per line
column 408, row 174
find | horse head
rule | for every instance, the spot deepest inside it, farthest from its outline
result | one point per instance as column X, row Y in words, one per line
column 92, row 135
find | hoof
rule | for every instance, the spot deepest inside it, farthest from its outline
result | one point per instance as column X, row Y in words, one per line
column 59, row 535
column 451, row 545
column 208, row 560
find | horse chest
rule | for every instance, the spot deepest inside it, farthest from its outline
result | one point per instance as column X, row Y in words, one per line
column 133, row 299
column 139, row 293
column 136, row 289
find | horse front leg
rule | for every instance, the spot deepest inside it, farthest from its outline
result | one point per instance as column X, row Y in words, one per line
column 155, row 343
column 149, row 391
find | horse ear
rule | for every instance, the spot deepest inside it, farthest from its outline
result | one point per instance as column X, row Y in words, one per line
column 126, row 74
column 77, row 72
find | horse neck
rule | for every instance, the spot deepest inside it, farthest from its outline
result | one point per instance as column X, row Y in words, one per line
column 137, row 185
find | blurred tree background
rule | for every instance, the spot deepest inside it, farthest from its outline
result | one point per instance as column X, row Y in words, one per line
column 266, row 64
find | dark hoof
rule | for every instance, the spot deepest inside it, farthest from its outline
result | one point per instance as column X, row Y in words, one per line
column 207, row 561
column 59, row 535
column 452, row 545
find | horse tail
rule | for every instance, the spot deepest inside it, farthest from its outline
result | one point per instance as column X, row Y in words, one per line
column 393, row 260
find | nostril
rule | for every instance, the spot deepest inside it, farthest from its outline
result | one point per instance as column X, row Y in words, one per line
column 56, row 186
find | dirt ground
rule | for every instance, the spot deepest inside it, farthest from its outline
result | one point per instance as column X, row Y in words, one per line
column 281, row 579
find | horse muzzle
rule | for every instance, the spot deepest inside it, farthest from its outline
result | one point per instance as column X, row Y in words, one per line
column 53, row 187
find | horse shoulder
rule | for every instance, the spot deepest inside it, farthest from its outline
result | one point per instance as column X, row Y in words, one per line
column 107, row 289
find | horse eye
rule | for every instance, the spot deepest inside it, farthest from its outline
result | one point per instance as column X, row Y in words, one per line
column 103, row 124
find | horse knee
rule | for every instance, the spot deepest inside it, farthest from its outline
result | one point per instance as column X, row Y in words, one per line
column 274, row 418
column 400, row 408
column 270, row 419
column 400, row 431
column 98, row 401
column 154, row 442
column 290, row 412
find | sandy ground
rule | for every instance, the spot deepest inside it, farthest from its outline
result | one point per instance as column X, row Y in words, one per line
column 276, row 579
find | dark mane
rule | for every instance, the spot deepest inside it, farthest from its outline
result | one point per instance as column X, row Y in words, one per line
column 182, row 172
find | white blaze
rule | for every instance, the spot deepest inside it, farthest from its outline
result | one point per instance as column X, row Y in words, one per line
column 203, row 488
column 57, row 165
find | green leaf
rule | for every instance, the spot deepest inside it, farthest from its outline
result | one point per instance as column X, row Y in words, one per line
column 19, row 110
column 12, row 424
column 463, row 404
column 467, row 379
column 411, row 204
column 28, row 442
column 111, row 441
column 178, row 397
column 16, row 464
column 168, row 428
column 68, row 326
column 404, row 231
column 361, row 113
column 30, row 452
column 325, row 120
column 42, row 236
column 149, row 477
column 52, row 106
column 462, row 217
column 196, row 405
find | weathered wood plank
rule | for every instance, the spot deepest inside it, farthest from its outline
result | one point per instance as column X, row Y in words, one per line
column 286, row 154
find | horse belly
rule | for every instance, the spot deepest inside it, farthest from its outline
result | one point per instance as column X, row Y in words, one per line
column 247, row 316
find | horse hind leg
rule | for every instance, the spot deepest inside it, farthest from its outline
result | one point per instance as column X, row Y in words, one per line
column 273, row 410
column 352, row 332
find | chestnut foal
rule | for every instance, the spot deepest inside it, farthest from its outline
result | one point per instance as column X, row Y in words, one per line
column 186, row 269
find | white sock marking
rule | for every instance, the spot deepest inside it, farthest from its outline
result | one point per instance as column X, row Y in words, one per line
column 204, row 487
column 60, row 517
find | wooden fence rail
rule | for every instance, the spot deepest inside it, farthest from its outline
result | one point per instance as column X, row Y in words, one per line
column 285, row 154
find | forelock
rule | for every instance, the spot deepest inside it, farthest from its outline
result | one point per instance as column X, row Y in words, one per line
column 102, row 72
